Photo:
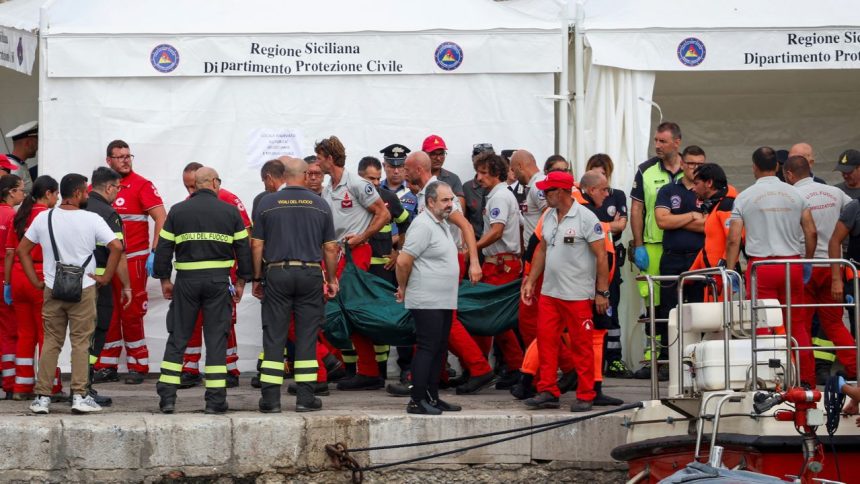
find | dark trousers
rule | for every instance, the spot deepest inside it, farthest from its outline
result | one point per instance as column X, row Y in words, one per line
column 672, row 264
column 104, row 313
column 291, row 291
column 191, row 294
column 432, row 327
column 612, row 340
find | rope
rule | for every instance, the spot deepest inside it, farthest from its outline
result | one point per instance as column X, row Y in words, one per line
column 834, row 399
column 341, row 458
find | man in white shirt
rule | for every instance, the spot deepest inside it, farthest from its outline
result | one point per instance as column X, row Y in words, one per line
column 80, row 232
column 826, row 203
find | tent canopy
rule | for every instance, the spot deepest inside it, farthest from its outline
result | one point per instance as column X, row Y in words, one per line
column 276, row 16
column 731, row 35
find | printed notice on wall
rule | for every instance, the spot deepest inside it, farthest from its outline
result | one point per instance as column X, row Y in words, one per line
column 265, row 144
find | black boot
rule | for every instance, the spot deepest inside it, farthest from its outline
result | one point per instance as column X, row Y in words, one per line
column 524, row 388
column 602, row 400
column 270, row 402
column 167, row 397
column 305, row 399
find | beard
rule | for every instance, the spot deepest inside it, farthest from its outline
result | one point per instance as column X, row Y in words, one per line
column 83, row 204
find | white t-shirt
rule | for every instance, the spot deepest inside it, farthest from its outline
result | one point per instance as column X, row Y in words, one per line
column 455, row 231
column 771, row 212
column 826, row 203
column 435, row 276
column 349, row 202
column 535, row 205
column 77, row 232
column 570, row 269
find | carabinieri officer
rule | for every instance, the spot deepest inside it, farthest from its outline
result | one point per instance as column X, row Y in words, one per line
column 208, row 237
column 293, row 231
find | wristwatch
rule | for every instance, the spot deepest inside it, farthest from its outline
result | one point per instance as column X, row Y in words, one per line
column 604, row 294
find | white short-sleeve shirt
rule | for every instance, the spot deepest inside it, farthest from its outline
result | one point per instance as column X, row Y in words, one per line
column 570, row 271
column 826, row 203
column 435, row 275
column 455, row 231
column 534, row 206
column 349, row 202
column 771, row 212
column 76, row 232
column 502, row 207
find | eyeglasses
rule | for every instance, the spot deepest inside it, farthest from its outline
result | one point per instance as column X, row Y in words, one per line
column 123, row 157
column 437, row 153
column 315, row 174
column 113, row 185
column 481, row 147
column 549, row 190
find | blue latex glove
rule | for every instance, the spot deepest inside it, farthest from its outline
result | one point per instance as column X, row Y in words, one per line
column 807, row 272
column 150, row 264
column 736, row 284
column 840, row 384
column 7, row 294
column 849, row 299
column 640, row 257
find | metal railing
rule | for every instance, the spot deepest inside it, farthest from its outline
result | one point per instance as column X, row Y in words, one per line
column 755, row 307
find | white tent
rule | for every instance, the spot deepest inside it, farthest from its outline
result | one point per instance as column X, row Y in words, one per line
column 734, row 74
column 232, row 84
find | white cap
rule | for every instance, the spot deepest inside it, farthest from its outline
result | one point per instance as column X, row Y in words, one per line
column 24, row 131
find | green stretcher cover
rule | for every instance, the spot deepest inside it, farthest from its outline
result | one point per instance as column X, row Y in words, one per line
column 366, row 305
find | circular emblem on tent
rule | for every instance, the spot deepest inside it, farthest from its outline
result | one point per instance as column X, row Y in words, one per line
column 449, row 56
column 691, row 52
column 164, row 58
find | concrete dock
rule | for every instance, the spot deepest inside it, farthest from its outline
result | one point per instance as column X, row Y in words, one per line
column 132, row 442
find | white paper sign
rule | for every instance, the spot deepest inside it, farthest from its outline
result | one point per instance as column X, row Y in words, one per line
column 265, row 144
column 17, row 50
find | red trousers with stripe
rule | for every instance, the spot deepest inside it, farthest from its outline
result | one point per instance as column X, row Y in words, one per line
column 555, row 314
column 322, row 351
column 528, row 316
column 27, row 310
column 8, row 343
column 366, row 364
column 497, row 275
column 191, row 358
column 126, row 327
column 771, row 285
column 818, row 290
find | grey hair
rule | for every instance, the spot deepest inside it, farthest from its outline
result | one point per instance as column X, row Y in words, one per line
column 431, row 192
column 590, row 179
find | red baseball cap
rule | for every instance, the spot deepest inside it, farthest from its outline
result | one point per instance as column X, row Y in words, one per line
column 556, row 179
column 7, row 165
column 432, row 143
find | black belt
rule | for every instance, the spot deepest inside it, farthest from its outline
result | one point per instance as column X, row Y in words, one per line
column 293, row 263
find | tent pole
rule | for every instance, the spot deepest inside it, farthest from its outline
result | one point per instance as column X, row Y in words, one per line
column 579, row 89
column 563, row 97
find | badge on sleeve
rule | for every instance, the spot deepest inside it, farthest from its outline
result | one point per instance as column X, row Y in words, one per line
column 598, row 229
column 368, row 189
column 494, row 213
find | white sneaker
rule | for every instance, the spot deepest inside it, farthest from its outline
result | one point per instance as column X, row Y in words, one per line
column 84, row 404
column 41, row 404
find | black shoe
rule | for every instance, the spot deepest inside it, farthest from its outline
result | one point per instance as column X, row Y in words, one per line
column 337, row 374
column 601, row 400
column 404, row 376
column 663, row 373
column 8, row 396
column 542, row 400
column 213, row 410
column 189, row 380
column 255, row 381
column 361, row 382
column 445, row 406
column 567, row 382
column 399, row 389
column 134, row 378
column 617, row 369
column 269, row 407
column 476, row 383
column 320, row 389
column 422, row 408
column 105, row 375
column 312, row 406
column 459, row 380
column 524, row 388
column 167, row 406
column 580, row 406
column 102, row 400
column 643, row 373
column 507, row 380
column 232, row 380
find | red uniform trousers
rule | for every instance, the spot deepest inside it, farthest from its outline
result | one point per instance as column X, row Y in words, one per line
column 8, row 342
column 555, row 314
column 771, row 285
column 191, row 358
column 499, row 274
column 126, row 326
column 366, row 364
column 322, row 351
column 817, row 290
column 27, row 312
column 528, row 316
